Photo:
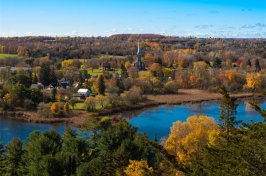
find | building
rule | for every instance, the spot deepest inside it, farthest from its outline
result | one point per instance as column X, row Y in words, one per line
column 139, row 64
column 81, row 94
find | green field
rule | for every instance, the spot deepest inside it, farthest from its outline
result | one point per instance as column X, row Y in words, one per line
column 2, row 56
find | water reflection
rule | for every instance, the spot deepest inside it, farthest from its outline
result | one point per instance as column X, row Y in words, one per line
column 157, row 121
column 153, row 121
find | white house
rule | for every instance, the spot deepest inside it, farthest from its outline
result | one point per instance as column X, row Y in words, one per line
column 85, row 92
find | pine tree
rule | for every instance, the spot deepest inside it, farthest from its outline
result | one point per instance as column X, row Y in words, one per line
column 257, row 65
column 44, row 76
column 101, row 85
column 228, row 111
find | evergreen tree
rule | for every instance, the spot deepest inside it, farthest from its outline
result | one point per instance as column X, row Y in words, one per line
column 2, row 158
column 249, row 63
column 53, row 78
column 53, row 94
column 45, row 72
column 13, row 158
column 101, row 85
column 228, row 111
column 257, row 65
column 217, row 63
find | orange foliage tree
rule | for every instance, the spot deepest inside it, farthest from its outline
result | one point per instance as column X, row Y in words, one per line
column 54, row 108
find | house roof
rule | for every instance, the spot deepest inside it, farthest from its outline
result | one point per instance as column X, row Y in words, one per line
column 83, row 90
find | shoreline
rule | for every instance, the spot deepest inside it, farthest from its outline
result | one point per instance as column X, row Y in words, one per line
column 78, row 117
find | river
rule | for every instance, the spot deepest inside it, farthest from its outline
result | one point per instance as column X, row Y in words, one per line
column 153, row 121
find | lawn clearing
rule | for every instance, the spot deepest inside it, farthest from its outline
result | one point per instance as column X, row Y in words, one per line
column 3, row 56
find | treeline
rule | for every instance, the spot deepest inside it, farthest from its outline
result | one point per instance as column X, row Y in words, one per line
column 198, row 146
column 126, row 44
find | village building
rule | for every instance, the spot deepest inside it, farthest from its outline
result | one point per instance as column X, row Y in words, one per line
column 82, row 94
column 139, row 64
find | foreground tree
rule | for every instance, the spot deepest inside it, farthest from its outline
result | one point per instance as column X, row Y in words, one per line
column 228, row 111
column 188, row 138
column 13, row 158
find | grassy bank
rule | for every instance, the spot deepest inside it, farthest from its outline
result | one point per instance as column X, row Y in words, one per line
column 78, row 117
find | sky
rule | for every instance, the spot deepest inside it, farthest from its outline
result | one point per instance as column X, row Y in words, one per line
column 183, row 18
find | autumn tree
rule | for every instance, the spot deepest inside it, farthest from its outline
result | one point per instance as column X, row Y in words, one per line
column 200, row 70
column 90, row 103
column 170, row 87
column 55, row 108
column 133, row 72
column 66, row 107
column 127, row 65
column 138, row 168
column 253, row 81
column 187, row 138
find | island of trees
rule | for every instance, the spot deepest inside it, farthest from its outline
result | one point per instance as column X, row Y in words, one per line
column 40, row 77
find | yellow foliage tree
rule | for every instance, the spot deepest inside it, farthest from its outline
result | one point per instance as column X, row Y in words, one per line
column 67, row 63
column 66, row 107
column 138, row 168
column 127, row 65
column 253, row 81
column 200, row 69
column 189, row 137
column 54, row 108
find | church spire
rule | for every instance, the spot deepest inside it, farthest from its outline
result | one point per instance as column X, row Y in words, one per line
column 139, row 51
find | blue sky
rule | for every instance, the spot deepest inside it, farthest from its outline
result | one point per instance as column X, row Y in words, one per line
column 203, row 18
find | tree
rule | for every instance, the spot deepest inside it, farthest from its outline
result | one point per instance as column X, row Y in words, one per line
column 90, row 103
column 13, row 159
column 217, row 63
column 73, row 150
column 2, row 158
column 53, row 94
column 187, row 138
column 100, row 85
column 41, row 154
column 257, row 65
column 155, row 68
column 66, row 107
column 127, row 65
column 138, row 168
column 253, row 81
column 43, row 110
column 44, row 75
column 20, row 92
column 170, row 87
column 55, row 108
column 133, row 72
column 228, row 111
column 102, row 101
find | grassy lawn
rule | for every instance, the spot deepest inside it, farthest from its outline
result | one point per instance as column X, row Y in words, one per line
column 104, row 56
column 2, row 56
column 97, row 71
column 79, row 106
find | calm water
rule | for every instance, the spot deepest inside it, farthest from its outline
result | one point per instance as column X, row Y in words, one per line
column 157, row 121
column 154, row 121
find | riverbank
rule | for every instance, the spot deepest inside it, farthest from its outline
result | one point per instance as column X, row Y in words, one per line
column 193, row 96
column 77, row 118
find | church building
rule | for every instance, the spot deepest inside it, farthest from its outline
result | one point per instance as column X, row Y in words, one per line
column 139, row 64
